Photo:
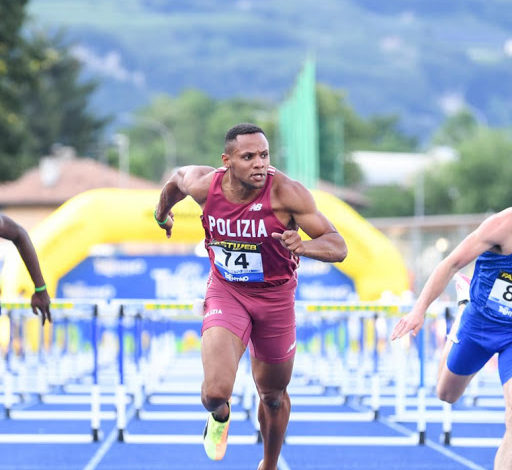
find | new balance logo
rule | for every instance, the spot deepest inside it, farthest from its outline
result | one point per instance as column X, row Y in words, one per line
column 256, row 207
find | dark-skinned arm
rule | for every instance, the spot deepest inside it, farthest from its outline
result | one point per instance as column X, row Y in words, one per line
column 14, row 232
column 191, row 180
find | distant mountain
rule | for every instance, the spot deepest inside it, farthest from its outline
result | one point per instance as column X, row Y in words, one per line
column 420, row 59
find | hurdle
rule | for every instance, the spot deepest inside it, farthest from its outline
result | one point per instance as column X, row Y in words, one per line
column 471, row 398
column 444, row 413
column 147, row 384
column 21, row 309
column 421, row 416
column 172, row 416
column 322, row 385
column 367, row 314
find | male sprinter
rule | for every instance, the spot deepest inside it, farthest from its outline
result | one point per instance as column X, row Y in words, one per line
column 485, row 326
column 251, row 216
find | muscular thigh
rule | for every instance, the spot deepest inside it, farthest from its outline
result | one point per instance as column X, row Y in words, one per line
column 223, row 307
column 273, row 337
column 221, row 351
column 271, row 377
column 507, row 393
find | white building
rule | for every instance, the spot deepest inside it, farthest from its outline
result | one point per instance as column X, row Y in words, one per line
column 383, row 168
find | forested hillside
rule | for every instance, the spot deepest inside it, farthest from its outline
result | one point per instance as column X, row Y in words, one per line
column 419, row 59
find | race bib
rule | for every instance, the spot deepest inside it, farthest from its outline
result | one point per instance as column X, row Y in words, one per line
column 238, row 261
column 500, row 297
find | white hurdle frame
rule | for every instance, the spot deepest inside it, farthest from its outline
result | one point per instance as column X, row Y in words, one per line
column 447, row 415
column 94, row 415
column 247, row 397
column 369, row 311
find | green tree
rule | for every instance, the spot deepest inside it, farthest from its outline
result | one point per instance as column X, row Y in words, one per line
column 15, row 77
column 483, row 174
column 42, row 97
column 57, row 106
column 456, row 129
column 197, row 124
column 333, row 116
column 383, row 134
column 389, row 201
column 440, row 182
column 341, row 131
column 478, row 181
column 482, row 158
column 440, row 189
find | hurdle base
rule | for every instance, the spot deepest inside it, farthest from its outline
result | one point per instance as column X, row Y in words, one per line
column 96, row 435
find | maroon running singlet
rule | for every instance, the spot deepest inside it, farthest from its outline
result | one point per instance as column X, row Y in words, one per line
column 251, row 290
column 239, row 237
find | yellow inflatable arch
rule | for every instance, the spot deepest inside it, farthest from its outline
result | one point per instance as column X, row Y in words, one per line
column 99, row 216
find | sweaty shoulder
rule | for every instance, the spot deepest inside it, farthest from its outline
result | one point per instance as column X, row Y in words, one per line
column 290, row 196
column 195, row 180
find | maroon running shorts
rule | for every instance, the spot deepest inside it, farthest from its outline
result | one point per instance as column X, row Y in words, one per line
column 263, row 317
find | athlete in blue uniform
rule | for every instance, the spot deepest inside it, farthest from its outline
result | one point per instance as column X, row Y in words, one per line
column 485, row 327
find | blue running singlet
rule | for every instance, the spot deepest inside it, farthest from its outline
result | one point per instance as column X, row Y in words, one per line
column 486, row 323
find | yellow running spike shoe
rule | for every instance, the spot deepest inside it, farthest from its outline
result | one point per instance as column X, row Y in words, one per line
column 215, row 436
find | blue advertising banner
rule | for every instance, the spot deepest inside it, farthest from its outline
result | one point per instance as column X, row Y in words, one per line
column 322, row 281
column 181, row 277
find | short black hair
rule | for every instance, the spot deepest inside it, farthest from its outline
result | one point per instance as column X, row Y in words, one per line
column 240, row 129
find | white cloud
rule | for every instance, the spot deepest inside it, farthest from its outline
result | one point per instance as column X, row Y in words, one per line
column 391, row 43
column 407, row 17
column 452, row 103
column 110, row 64
column 507, row 47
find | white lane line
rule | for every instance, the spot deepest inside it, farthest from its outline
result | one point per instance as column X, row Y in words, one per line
column 38, row 415
column 185, row 415
column 45, row 438
column 82, row 399
column 452, row 455
column 437, row 447
column 476, row 441
column 182, row 400
column 107, row 444
column 352, row 440
column 282, row 464
column 341, row 416
column 458, row 416
column 185, row 439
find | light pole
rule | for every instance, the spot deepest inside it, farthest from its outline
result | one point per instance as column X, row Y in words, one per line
column 122, row 142
column 167, row 137
column 417, row 242
column 165, row 133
